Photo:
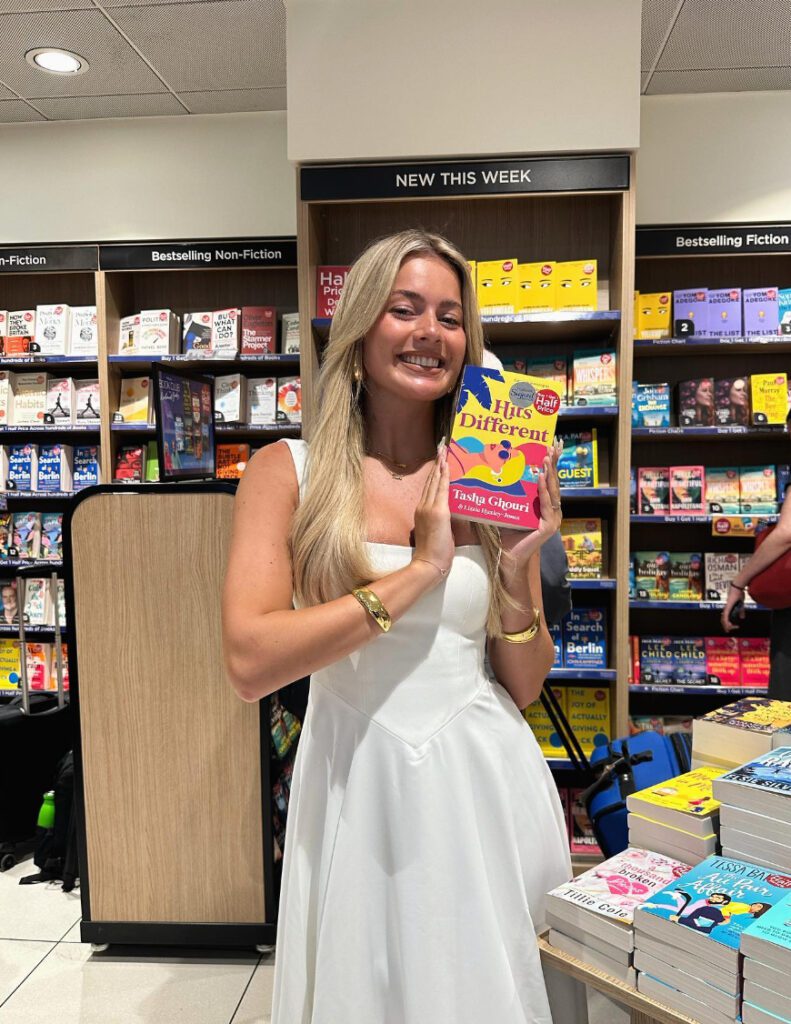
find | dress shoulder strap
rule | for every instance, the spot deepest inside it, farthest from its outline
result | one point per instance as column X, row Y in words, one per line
column 299, row 453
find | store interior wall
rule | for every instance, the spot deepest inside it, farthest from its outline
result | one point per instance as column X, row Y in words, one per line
column 203, row 176
column 461, row 78
column 714, row 157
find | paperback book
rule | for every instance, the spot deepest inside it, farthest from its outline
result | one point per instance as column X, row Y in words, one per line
column 60, row 400
column 289, row 400
column 653, row 490
column 231, row 461
column 583, row 541
column 83, row 332
column 585, row 638
column 652, row 575
column 52, row 535
column 696, row 402
column 686, row 576
column 86, row 468
column 547, row 369
column 259, row 326
column 578, row 464
column 27, row 535
column 196, row 334
column 741, row 731
column 768, row 939
column 687, row 490
column 650, row 405
column 538, row 291
column 588, row 712
column 685, row 802
column 594, row 378
column 762, row 785
column 53, row 326
column 22, row 467
column 504, row 425
column 722, row 489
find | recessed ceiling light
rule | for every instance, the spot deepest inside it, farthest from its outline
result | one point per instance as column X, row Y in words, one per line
column 56, row 61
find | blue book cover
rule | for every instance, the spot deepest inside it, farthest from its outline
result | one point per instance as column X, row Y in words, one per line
column 579, row 461
column 49, row 464
column 769, row 773
column 689, row 661
column 86, row 466
column 784, row 305
column 20, row 466
column 774, row 926
column 585, row 638
column 720, row 898
column 650, row 405
column 657, row 661
column 557, row 641
column 783, row 478
column 52, row 535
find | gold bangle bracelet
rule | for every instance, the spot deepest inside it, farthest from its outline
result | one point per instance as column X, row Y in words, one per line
column 374, row 607
column 528, row 634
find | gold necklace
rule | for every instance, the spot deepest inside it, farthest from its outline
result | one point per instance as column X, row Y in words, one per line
column 405, row 467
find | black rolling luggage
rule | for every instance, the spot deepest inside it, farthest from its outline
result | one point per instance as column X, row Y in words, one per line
column 35, row 733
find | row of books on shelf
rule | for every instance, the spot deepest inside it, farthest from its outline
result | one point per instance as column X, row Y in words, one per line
column 504, row 287
column 706, row 490
column 139, row 463
column 40, row 662
column 588, row 377
column 699, row 661
column 696, row 913
column 50, row 330
column 253, row 401
column 39, row 607
column 581, row 639
column 712, row 312
column 684, row 575
column 42, row 399
column 209, row 334
column 587, row 709
column 758, row 399
column 48, row 468
column 31, row 535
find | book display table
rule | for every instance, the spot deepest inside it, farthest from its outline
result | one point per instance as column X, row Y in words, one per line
column 642, row 1009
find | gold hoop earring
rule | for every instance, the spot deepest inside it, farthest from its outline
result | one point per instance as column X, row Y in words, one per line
column 357, row 373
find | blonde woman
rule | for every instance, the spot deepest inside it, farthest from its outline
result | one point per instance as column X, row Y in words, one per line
column 424, row 826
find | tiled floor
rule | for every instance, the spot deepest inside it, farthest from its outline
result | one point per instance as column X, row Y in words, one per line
column 47, row 974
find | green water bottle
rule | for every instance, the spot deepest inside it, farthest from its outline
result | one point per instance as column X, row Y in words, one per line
column 46, row 816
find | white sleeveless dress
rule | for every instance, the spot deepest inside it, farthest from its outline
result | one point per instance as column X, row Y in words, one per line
column 424, row 830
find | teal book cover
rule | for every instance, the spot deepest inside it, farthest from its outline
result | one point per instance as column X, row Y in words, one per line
column 774, row 926
column 769, row 773
column 720, row 898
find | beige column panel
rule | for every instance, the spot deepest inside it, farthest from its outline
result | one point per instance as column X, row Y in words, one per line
column 380, row 79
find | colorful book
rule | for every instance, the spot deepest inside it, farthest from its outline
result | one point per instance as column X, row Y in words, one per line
column 196, row 334
column 129, row 463
column 722, row 489
column 135, row 404
column 55, row 468
column 22, row 467
column 689, row 661
column 578, row 464
column 758, row 489
column 762, row 785
column 720, row 568
column 549, row 742
column 329, row 284
column 588, row 712
column 37, row 602
column 538, row 287
column 686, row 575
column 657, row 661
column 585, row 638
column 87, row 471
column 504, row 424
column 687, row 490
column 151, row 474
column 10, row 668
column 231, row 461
column 706, row 911
column 653, row 490
column 723, row 666
column 583, row 541
column 582, row 839
column 259, row 327
column 547, row 369
column 289, row 400
column 768, row 939
column 732, row 401
column 754, row 661
column 650, row 405
column 692, row 305
column 27, row 534
column 696, row 402
column 684, row 802
column 652, row 575
column 735, row 734
column 769, row 398
column 52, row 535
column 594, row 378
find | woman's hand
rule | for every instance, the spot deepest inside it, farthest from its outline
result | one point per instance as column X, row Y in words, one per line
column 734, row 596
column 434, row 539
column 521, row 545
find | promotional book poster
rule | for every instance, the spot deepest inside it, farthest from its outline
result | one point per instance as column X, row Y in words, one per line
column 187, row 430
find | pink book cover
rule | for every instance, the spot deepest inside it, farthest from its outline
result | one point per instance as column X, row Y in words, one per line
column 723, row 666
column 618, row 885
column 754, row 657
column 687, row 490
column 504, row 425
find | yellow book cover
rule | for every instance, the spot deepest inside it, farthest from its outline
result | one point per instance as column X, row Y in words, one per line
column 504, row 424
column 588, row 712
column 769, row 393
column 689, row 793
column 537, row 287
column 498, row 286
column 577, row 286
column 756, row 714
column 135, row 400
column 548, row 740
column 9, row 665
column 653, row 315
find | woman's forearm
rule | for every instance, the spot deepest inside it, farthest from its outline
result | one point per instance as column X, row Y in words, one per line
column 266, row 652
column 775, row 545
column 522, row 668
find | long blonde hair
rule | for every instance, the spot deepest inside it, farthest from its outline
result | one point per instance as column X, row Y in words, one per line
column 328, row 553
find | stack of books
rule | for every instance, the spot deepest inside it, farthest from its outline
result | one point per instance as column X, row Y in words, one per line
column 756, row 810
column 679, row 817
column 687, row 936
column 766, row 947
column 591, row 918
column 739, row 732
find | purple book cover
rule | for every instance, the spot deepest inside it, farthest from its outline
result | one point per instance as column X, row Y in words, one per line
column 761, row 315
column 693, row 304
column 725, row 313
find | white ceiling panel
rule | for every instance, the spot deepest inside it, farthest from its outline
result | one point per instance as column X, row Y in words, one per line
column 234, row 44
column 229, row 101
column 16, row 110
column 77, row 108
column 658, row 16
column 88, row 33
column 741, row 80
column 23, row 6
column 729, row 34
column 6, row 94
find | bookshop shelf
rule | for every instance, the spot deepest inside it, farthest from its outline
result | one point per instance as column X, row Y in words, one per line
column 605, row 584
column 707, row 691
column 588, row 493
column 588, row 412
column 688, row 606
column 37, row 495
column 705, row 520
column 66, row 428
column 671, row 433
column 574, row 674
column 30, row 563
column 49, row 362
column 713, row 346
column 274, row 361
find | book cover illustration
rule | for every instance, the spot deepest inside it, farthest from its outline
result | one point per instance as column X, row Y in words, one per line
column 657, row 661
column 581, row 834
column 583, row 541
column 36, row 595
column 754, row 714
column 259, row 326
column 38, row 666
column 686, row 576
column 696, row 402
column 27, row 534
column 197, row 334
column 689, row 793
column 130, row 463
column 289, row 400
column 9, row 607
column 770, row 773
column 758, row 489
column 769, row 397
column 689, row 661
column 725, row 312
column 686, row 490
column 83, row 332
column 10, row 668
column 653, row 490
column 594, row 378
column 692, row 304
column 86, row 466
column 588, row 712
column 52, row 535
column 650, row 405
column 719, row 898
column 578, row 464
column 547, row 369
column 622, row 883
column 504, row 424
column 585, row 638
column 774, row 926
column 722, row 489
column 732, row 401
column 652, row 575
column 22, row 467
column 6, row 533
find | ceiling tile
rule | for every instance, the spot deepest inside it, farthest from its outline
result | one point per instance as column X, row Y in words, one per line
column 113, row 63
column 657, row 18
column 741, row 80
column 22, row 6
column 230, row 101
column 6, row 94
column 16, row 110
column 75, row 108
column 155, row 3
column 644, row 80
column 233, row 44
column 729, row 34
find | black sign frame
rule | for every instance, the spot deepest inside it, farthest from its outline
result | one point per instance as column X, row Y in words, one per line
column 48, row 259
column 443, row 179
column 203, row 254
column 713, row 239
